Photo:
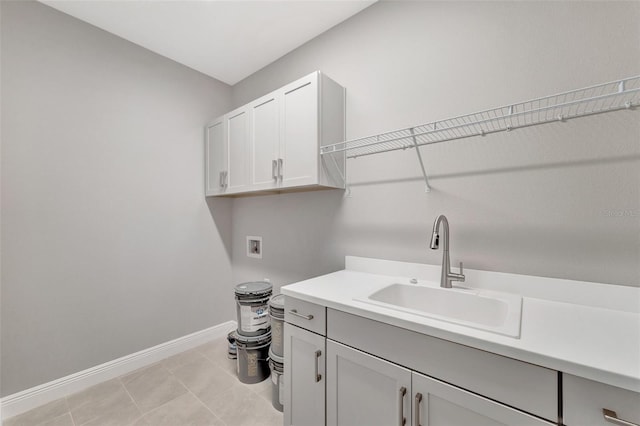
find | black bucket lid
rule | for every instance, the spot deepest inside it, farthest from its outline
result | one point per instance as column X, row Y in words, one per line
column 254, row 288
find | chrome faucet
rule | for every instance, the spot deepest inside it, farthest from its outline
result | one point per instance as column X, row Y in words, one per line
column 446, row 277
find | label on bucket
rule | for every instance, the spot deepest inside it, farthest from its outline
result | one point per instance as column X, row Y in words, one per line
column 253, row 318
column 252, row 364
column 276, row 337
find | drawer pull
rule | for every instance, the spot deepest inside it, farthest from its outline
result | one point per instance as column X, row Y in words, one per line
column 307, row 317
column 318, row 375
column 416, row 413
column 612, row 417
column 401, row 419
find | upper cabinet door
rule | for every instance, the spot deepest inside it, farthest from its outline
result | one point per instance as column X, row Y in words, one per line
column 216, row 157
column 264, row 143
column 299, row 148
column 238, row 141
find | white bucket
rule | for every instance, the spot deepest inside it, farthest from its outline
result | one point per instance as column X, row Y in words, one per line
column 276, row 312
column 252, row 307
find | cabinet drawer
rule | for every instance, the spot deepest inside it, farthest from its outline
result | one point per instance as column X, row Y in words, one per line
column 585, row 399
column 305, row 314
column 527, row 387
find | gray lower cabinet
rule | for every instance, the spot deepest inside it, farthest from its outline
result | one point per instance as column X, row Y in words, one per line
column 345, row 370
column 365, row 390
column 304, row 377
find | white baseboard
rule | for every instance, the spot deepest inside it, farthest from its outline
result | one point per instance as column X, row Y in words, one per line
column 28, row 399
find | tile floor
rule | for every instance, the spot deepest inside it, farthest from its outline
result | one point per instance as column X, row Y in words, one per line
column 196, row 387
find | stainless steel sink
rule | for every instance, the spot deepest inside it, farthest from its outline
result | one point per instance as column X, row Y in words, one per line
column 481, row 309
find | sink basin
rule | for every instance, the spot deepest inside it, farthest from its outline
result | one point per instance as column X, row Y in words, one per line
column 481, row 309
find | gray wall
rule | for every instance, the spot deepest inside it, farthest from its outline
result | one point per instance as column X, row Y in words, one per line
column 533, row 201
column 108, row 245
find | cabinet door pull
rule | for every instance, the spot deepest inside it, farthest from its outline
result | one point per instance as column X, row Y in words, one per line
column 225, row 178
column 401, row 419
column 612, row 417
column 280, row 167
column 220, row 180
column 416, row 412
column 318, row 376
column 274, row 167
column 307, row 317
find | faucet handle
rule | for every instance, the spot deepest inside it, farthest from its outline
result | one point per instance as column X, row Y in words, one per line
column 461, row 276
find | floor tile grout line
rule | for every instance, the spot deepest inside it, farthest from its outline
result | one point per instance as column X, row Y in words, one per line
column 66, row 399
column 196, row 396
column 84, row 403
column 224, row 371
column 90, row 401
column 162, row 365
column 203, row 404
column 132, row 400
column 53, row 418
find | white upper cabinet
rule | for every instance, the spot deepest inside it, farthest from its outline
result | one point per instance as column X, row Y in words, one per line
column 237, row 125
column 265, row 142
column 216, row 163
column 283, row 132
column 299, row 124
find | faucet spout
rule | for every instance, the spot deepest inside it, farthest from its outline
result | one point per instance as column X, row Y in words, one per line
column 447, row 276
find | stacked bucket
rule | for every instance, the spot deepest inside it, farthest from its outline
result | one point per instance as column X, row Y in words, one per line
column 253, row 336
column 258, row 342
column 276, row 352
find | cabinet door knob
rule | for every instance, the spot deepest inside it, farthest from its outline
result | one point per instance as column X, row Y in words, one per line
column 416, row 412
column 612, row 417
column 401, row 419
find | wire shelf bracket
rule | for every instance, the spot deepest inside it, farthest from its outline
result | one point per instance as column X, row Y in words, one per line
column 424, row 172
column 607, row 97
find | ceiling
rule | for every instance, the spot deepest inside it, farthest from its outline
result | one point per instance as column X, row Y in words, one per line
column 227, row 40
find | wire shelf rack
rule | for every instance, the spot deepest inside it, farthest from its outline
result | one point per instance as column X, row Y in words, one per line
column 601, row 98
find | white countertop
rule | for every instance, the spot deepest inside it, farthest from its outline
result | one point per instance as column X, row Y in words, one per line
column 586, row 329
